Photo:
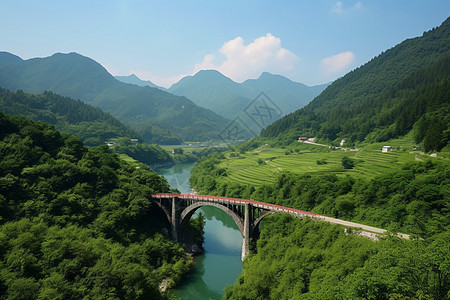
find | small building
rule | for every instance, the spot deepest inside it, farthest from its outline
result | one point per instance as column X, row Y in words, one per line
column 387, row 149
column 134, row 140
column 302, row 139
column 110, row 144
column 417, row 148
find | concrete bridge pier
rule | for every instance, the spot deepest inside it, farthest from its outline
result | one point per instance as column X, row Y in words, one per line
column 174, row 220
column 246, row 232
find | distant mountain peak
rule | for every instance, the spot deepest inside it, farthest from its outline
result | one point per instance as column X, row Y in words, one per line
column 215, row 91
column 211, row 74
column 6, row 57
column 134, row 79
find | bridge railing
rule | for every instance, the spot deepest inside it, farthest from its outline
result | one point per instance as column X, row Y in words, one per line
column 276, row 208
column 237, row 201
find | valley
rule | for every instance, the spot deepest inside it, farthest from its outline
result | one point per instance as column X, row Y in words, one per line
column 84, row 156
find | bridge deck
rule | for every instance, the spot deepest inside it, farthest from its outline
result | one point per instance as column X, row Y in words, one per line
column 276, row 208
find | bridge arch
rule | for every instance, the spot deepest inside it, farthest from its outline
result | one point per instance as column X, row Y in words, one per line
column 187, row 213
column 164, row 210
column 247, row 214
column 259, row 219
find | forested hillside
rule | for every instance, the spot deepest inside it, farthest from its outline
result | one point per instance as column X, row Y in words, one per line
column 89, row 123
column 296, row 259
column 383, row 99
column 410, row 198
column 303, row 259
column 154, row 114
column 77, row 222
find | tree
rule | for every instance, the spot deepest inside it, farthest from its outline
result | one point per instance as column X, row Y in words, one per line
column 178, row 151
column 347, row 163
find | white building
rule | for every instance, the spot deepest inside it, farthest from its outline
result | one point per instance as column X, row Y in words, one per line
column 387, row 148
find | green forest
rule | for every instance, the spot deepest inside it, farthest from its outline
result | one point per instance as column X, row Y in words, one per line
column 77, row 222
column 303, row 259
column 93, row 126
column 411, row 199
column 309, row 260
column 404, row 88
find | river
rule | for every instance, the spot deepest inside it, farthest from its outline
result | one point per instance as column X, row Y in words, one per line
column 220, row 265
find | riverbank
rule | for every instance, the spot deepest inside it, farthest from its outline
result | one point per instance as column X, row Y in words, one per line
column 220, row 263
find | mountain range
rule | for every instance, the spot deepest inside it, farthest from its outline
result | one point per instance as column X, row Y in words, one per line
column 213, row 90
column 133, row 79
column 153, row 113
column 406, row 87
column 93, row 126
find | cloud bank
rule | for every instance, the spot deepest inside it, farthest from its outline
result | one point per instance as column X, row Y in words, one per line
column 240, row 61
column 249, row 61
column 336, row 63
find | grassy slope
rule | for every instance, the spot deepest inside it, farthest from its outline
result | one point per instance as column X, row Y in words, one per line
column 369, row 161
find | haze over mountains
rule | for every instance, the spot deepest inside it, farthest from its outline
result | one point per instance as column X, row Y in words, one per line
column 156, row 115
column 213, row 90
column 133, row 79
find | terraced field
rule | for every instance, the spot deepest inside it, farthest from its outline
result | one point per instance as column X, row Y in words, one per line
column 263, row 164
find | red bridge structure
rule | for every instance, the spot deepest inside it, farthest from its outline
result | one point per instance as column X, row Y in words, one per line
column 247, row 214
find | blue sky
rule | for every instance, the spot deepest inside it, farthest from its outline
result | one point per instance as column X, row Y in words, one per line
column 312, row 42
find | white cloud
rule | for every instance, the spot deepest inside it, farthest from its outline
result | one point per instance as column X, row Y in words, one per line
column 336, row 63
column 249, row 61
column 239, row 61
column 206, row 64
column 338, row 7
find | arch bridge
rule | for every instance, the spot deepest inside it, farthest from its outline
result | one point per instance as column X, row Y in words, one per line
column 247, row 214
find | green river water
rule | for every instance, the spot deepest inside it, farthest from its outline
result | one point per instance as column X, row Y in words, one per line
column 220, row 265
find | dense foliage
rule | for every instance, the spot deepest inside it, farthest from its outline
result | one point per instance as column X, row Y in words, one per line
column 77, row 222
column 89, row 123
column 383, row 99
column 149, row 154
column 414, row 199
column 303, row 259
column 296, row 259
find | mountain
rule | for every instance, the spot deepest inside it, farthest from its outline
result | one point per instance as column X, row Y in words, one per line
column 150, row 111
column 87, row 122
column 6, row 58
column 289, row 95
column 213, row 90
column 405, row 87
column 133, row 79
